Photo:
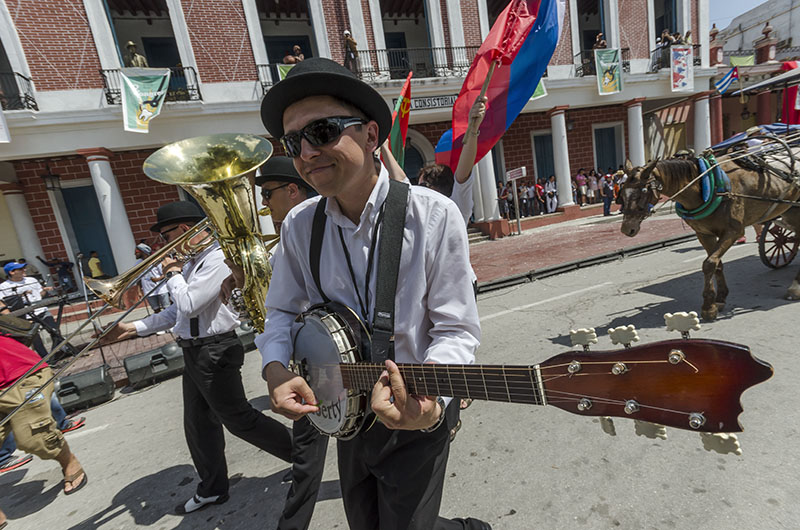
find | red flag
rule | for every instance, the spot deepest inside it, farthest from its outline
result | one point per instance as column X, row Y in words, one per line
column 397, row 134
column 509, row 86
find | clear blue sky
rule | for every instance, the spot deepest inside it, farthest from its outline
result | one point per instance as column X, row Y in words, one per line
column 722, row 12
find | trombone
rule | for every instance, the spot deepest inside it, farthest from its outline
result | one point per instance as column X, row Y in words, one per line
column 115, row 292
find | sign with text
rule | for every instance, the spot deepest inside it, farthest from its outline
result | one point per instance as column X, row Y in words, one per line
column 517, row 173
column 434, row 102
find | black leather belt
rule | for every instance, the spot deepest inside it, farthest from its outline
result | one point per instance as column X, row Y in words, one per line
column 202, row 341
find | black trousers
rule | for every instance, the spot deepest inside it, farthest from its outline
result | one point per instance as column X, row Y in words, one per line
column 393, row 480
column 38, row 345
column 213, row 396
column 308, row 462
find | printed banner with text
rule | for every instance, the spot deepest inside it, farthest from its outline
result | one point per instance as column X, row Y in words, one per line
column 143, row 93
column 682, row 68
column 609, row 71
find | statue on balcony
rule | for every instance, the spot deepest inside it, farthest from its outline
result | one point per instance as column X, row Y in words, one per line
column 350, row 52
column 134, row 59
column 295, row 56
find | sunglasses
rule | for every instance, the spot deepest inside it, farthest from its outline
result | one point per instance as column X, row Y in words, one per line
column 318, row 133
column 165, row 232
column 267, row 194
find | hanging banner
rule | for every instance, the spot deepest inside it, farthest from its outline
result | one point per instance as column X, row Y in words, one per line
column 682, row 68
column 608, row 66
column 283, row 69
column 540, row 91
column 143, row 93
column 5, row 135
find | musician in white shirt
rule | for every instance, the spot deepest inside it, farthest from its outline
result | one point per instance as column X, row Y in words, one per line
column 213, row 394
column 348, row 120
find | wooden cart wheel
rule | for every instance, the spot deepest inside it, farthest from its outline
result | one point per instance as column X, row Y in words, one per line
column 777, row 246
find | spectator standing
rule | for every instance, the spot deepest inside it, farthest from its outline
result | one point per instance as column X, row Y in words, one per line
column 96, row 267
column 502, row 198
column 295, row 56
column 580, row 181
column 523, row 200
column 531, row 196
column 551, row 192
column 20, row 290
column 591, row 184
column 541, row 204
column 350, row 52
column 607, row 193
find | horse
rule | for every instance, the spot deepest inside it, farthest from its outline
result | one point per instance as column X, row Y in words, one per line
column 718, row 231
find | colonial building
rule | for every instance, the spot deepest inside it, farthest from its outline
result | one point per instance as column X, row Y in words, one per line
column 72, row 177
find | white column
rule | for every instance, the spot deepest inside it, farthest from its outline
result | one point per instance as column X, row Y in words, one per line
column 254, row 31
column 433, row 13
column 320, row 29
column 703, row 39
column 377, row 24
column 612, row 24
column 358, row 30
column 491, row 210
column 483, row 14
column 24, row 227
column 182, row 38
column 635, row 133
column 118, row 228
column 702, row 124
column 558, row 125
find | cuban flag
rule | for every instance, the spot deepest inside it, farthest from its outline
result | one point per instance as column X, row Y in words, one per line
column 723, row 84
column 521, row 43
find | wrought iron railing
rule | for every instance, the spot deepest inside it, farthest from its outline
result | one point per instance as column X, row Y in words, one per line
column 183, row 85
column 395, row 63
column 268, row 75
column 586, row 65
column 16, row 92
column 660, row 57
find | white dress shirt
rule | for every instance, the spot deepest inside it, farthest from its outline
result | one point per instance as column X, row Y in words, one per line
column 436, row 313
column 462, row 196
column 28, row 288
column 195, row 293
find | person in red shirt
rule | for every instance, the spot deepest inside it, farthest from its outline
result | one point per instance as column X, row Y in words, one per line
column 46, row 441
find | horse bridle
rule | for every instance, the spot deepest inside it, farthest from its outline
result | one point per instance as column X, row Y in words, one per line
column 651, row 189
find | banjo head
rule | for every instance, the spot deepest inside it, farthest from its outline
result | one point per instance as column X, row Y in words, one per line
column 323, row 341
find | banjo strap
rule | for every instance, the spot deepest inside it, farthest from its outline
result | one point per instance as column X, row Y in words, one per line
column 317, row 233
column 391, row 245
column 388, row 268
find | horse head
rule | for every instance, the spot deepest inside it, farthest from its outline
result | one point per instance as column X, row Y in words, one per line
column 639, row 193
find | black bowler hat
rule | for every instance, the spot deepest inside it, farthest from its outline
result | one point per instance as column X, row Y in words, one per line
column 318, row 76
column 177, row 212
column 280, row 169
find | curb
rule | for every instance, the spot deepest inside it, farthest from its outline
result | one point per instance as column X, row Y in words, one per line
column 561, row 268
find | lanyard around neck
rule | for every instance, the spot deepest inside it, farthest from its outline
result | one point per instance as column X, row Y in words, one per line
column 363, row 303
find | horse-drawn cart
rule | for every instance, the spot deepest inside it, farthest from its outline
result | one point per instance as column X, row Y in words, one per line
column 777, row 244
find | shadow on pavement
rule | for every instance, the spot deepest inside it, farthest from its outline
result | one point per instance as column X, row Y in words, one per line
column 753, row 287
column 256, row 502
column 29, row 497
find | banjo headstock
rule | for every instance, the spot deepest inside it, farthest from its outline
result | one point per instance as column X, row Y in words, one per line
column 689, row 384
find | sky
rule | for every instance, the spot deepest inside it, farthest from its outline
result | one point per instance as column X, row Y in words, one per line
column 723, row 11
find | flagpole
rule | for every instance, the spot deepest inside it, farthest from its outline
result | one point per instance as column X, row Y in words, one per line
column 488, row 79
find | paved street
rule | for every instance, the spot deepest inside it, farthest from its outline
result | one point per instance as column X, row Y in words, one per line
column 515, row 466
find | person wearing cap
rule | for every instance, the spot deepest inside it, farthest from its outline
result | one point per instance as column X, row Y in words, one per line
column 19, row 290
column 213, row 394
column 158, row 298
column 331, row 123
column 134, row 59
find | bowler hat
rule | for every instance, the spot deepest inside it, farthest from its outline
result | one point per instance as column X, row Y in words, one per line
column 279, row 169
column 176, row 213
column 318, row 76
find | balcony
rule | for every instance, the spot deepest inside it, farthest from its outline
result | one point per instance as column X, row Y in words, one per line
column 268, row 75
column 183, row 85
column 16, row 92
column 586, row 64
column 659, row 58
column 395, row 63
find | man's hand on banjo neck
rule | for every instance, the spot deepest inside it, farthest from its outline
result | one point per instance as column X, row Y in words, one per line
column 398, row 409
column 289, row 393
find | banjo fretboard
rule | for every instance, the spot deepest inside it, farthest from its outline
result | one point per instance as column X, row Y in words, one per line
column 508, row 383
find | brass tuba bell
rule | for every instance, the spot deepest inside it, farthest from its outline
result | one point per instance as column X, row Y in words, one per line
column 218, row 171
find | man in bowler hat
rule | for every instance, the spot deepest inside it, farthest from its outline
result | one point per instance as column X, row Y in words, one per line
column 331, row 123
column 213, row 394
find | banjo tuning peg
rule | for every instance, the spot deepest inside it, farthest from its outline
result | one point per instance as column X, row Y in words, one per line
column 650, row 430
column 607, row 424
column 721, row 442
column 683, row 322
column 583, row 337
column 624, row 335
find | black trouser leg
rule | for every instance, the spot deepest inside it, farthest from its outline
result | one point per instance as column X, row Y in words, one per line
column 308, row 462
column 215, row 370
column 393, row 480
column 204, row 437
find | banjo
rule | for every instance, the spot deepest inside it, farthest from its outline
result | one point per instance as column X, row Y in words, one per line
column 691, row 384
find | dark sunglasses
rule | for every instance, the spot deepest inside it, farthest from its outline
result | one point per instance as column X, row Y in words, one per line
column 267, row 194
column 165, row 232
column 318, row 133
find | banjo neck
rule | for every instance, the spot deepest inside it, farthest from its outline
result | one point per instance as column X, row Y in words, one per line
column 506, row 383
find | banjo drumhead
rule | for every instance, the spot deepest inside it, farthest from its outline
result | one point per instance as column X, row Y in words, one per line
column 318, row 350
